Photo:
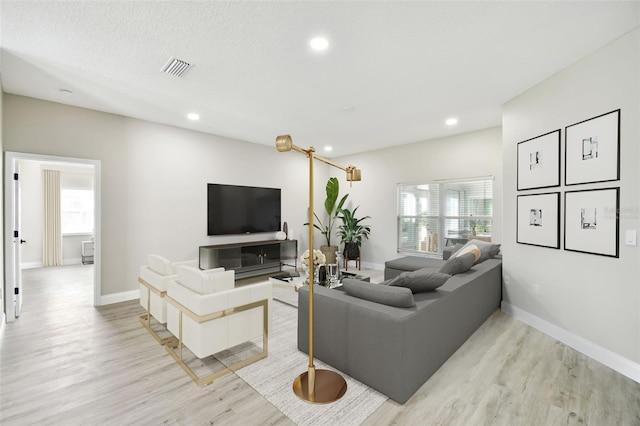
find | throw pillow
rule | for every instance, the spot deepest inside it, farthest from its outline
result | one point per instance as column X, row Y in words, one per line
column 421, row 280
column 393, row 281
column 487, row 250
column 456, row 248
column 469, row 248
column 458, row 264
column 387, row 295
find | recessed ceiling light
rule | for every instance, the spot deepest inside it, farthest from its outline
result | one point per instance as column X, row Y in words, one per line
column 66, row 92
column 451, row 121
column 193, row 116
column 328, row 148
column 319, row 43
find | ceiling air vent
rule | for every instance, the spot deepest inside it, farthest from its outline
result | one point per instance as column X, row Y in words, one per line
column 175, row 67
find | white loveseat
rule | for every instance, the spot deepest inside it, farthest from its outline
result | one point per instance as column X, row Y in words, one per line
column 207, row 314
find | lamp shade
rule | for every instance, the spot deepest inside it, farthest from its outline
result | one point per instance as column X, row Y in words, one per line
column 353, row 174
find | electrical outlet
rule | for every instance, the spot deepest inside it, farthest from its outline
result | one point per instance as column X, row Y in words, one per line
column 506, row 279
column 535, row 288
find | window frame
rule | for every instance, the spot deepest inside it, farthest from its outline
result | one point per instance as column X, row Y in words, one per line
column 441, row 217
column 66, row 233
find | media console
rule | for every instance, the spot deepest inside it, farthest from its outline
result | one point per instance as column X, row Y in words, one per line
column 250, row 258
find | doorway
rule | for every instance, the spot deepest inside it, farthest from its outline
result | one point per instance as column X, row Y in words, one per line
column 77, row 173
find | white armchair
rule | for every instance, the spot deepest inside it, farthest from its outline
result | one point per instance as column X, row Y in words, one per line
column 153, row 281
column 208, row 314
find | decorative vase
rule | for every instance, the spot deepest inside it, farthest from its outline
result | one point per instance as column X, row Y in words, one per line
column 322, row 275
column 351, row 251
column 329, row 253
column 316, row 274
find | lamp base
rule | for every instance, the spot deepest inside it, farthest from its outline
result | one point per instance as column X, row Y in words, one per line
column 329, row 387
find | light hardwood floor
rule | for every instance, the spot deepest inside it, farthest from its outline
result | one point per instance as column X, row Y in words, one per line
column 66, row 362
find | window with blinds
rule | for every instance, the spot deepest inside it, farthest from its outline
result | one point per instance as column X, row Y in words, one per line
column 434, row 215
column 76, row 211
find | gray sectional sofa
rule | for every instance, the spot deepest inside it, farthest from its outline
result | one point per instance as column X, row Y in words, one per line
column 392, row 349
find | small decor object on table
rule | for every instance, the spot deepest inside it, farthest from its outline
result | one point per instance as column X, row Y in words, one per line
column 318, row 259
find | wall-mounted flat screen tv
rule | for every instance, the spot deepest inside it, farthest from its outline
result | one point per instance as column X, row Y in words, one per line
column 233, row 209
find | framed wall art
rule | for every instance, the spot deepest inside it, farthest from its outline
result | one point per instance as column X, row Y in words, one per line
column 592, row 150
column 538, row 220
column 591, row 221
column 539, row 161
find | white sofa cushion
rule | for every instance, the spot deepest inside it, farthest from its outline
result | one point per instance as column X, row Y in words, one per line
column 205, row 282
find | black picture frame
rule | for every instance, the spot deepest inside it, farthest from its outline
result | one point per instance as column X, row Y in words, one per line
column 592, row 150
column 538, row 162
column 592, row 221
column 538, row 220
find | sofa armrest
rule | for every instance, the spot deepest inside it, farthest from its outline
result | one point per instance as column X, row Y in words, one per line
column 447, row 252
column 156, row 281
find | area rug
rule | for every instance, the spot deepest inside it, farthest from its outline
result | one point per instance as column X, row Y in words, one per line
column 273, row 376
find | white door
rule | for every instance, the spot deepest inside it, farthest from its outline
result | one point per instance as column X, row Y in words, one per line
column 13, row 273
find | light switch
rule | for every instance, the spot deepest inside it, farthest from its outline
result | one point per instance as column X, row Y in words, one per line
column 630, row 237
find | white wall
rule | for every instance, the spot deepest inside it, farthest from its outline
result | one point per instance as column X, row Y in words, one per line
column 154, row 179
column 593, row 301
column 461, row 156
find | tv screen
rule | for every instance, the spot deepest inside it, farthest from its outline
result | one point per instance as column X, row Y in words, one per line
column 233, row 209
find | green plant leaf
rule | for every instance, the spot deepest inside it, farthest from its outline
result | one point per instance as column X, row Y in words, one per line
column 332, row 189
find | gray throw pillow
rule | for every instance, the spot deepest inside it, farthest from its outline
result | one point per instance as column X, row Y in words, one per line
column 387, row 295
column 458, row 265
column 487, row 250
column 421, row 280
column 456, row 248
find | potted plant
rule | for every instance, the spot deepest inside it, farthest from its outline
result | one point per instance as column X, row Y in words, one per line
column 326, row 228
column 352, row 231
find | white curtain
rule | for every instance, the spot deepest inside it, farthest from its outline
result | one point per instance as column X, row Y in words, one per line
column 52, row 223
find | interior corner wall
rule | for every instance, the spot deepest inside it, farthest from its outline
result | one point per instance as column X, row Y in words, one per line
column 592, row 300
column 460, row 156
column 154, row 180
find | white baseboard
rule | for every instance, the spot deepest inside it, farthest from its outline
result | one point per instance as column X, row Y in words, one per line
column 39, row 264
column 125, row 296
column 611, row 359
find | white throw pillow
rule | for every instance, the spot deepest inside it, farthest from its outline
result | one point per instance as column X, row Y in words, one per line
column 469, row 248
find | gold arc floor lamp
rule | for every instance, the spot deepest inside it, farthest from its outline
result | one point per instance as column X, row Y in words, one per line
column 316, row 386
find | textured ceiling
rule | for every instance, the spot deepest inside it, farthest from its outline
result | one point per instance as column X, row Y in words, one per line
column 402, row 68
